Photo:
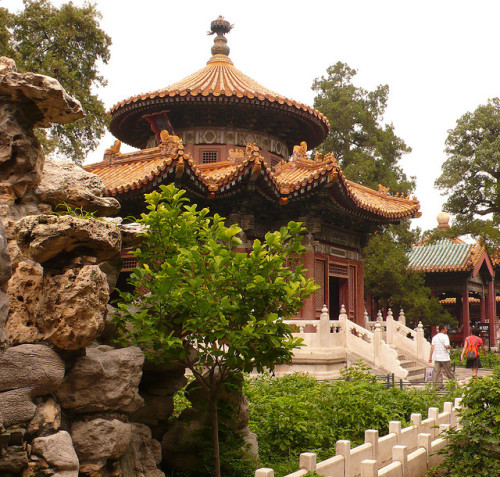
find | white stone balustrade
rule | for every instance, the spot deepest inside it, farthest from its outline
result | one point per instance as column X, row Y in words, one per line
column 326, row 343
column 407, row 452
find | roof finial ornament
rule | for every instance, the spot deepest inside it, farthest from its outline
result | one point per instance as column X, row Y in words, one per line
column 221, row 27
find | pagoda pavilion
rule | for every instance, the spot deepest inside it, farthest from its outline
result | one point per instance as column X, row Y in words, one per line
column 242, row 150
column 462, row 276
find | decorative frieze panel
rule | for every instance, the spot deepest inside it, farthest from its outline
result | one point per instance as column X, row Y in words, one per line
column 236, row 137
column 335, row 235
column 336, row 252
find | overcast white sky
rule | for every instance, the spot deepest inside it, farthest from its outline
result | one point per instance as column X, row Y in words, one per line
column 440, row 58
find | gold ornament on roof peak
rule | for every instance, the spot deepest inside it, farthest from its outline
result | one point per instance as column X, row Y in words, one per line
column 220, row 27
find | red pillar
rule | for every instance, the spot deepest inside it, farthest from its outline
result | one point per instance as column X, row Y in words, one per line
column 492, row 315
column 465, row 313
column 484, row 307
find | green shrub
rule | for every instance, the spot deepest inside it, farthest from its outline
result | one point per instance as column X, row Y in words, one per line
column 295, row 413
column 475, row 448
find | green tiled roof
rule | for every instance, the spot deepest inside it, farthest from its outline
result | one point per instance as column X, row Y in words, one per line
column 443, row 256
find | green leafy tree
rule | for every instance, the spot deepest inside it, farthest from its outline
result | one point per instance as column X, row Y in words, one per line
column 65, row 43
column 470, row 176
column 367, row 150
column 388, row 279
column 475, row 448
column 200, row 303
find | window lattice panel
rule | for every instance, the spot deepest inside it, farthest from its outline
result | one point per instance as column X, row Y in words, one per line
column 336, row 270
column 209, row 157
column 319, row 278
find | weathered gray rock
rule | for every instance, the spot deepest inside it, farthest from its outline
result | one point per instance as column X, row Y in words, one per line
column 31, row 366
column 57, row 450
column 66, row 309
column 104, row 379
column 42, row 96
column 13, row 459
column 64, row 182
column 131, row 234
column 5, row 264
column 21, row 156
column 47, row 419
column 101, row 439
column 143, row 454
column 16, row 406
column 43, row 237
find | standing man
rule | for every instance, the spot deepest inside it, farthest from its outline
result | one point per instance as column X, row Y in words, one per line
column 442, row 363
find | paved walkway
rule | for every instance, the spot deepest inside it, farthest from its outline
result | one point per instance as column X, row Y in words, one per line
column 464, row 375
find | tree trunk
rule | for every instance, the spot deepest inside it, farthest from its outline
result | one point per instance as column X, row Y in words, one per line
column 215, row 433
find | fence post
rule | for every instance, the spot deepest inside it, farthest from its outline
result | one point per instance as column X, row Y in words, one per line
column 402, row 317
column 395, row 428
column 377, row 342
column 371, row 437
column 324, row 328
column 343, row 448
column 307, row 460
column 416, row 420
column 264, row 472
column 366, row 318
column 400, row 453
column 389, row 326
column 343, row 325
column 369, row 468
column 424, row 440
column 420, row 341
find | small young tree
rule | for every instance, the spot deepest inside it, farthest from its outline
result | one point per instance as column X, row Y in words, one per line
column 200, row 303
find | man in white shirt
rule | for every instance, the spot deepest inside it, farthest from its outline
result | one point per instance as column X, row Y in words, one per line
column 442, row 363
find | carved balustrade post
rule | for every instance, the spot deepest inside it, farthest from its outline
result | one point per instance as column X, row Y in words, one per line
column 402, row 317
column 377, row 343
column 389, row 335
column 324, row 328
column 343, row 325
column 420, row 341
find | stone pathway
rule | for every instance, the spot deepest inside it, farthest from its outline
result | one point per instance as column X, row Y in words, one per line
column 464, row 375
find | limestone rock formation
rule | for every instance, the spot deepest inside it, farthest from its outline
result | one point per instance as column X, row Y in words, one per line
column 27, row 100
column 57, row 450
column 143, row 454
column 35, row 367
column 45, row 99
column 16, row 406
column 56, row 272
column 104, row 379
column 47, row 418
column 5, row 273
column 66, row 309
column 101, row 439
column 65, row 183
column 43, row 237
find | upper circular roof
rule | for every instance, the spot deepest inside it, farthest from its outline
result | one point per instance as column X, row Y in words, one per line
column 217, row 95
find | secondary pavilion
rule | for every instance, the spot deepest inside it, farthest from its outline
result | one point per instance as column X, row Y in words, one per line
column 242, row 150
column 462, row 276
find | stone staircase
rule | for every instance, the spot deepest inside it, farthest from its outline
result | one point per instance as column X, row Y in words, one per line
column 415, row 368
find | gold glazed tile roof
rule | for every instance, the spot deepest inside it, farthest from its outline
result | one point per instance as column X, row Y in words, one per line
column 220, row 78
column 446, row 255
column 453, row 300
column 130, row 175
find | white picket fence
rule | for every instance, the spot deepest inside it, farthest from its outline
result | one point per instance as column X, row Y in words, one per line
column 407, row 452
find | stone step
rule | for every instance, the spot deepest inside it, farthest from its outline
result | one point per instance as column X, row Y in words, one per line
column 408, row 364
column 415, row 371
